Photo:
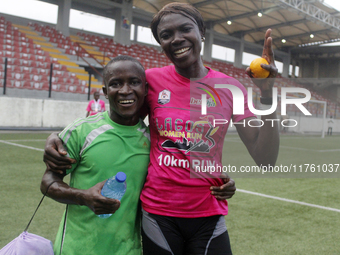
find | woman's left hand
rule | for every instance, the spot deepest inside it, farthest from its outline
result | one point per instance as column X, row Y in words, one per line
column 266, row 84
column 225, row 191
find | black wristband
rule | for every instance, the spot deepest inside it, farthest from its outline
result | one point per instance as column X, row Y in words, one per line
column 266, row 100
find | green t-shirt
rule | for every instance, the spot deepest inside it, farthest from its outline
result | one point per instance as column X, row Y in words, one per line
column 102, row 148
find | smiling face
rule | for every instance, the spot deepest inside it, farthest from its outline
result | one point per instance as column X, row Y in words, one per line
column 125, row 88
column 180, row 39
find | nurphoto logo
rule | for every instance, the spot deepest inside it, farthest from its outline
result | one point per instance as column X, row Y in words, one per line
column 238, row 102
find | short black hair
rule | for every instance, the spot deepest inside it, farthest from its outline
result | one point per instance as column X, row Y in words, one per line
column 184, row 9
column 121, row 58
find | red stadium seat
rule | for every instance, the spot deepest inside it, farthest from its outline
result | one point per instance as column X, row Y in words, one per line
column 8, row 47
column 17, row 76
column 41, row 64
column 26, row 63
column 36, row 85
column 8, row 54
column 54, row 79
column 73, row 88
column 26, row 69
column 44, row 71
column 34, row 71
column 63, row 87
column 40, row 58
column 26, row 84
column 86, row 89
column 83, row 83
column 57, row 67
column 24, row 44
column 20, row 84
column 55, row 87
column 54, row 60
column 71, row 81
column 44, row 78
column 57, row 73
column 25, row 56
column 25, row 50
column 36, row 78
column 45, row 86
column 17, row 69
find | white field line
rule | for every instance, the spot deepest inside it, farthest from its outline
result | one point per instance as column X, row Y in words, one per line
column 289, row 200
column 20, row 145
column 27, row 140
column 238, row 190
column 304, row 149
column 328, row 150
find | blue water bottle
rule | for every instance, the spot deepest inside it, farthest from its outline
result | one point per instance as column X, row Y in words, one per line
column 114, row 187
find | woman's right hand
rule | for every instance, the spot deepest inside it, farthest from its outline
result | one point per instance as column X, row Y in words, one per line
column 55, row 155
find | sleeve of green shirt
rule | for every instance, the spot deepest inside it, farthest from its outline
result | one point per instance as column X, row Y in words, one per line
column 70, row 137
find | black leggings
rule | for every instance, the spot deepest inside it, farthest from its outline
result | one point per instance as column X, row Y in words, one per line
column 163, row 235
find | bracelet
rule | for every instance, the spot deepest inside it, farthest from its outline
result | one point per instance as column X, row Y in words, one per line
column 266, row 100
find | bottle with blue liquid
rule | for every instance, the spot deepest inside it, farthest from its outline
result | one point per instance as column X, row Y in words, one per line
column 114, row 187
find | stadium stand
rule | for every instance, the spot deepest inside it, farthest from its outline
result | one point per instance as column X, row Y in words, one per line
column 30, row 50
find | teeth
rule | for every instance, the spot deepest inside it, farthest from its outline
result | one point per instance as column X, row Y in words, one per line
column 181, row 50
column 126, row 101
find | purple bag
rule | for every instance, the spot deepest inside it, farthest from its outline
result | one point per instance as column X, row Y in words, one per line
column 28, row 244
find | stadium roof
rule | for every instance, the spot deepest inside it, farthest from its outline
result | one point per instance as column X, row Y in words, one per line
column 298, row 22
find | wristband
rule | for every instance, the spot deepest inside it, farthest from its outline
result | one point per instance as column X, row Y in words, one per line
column 266, row 100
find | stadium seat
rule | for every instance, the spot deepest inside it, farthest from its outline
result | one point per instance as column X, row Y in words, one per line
column 40, row 58
column 39, row 64
column 36, row 85
column 43, row 71
column 26, row 69
column 86, row 90
column 83, row 83
column 25, row 63
column 20, row 84
column 54, row 79
column 34, row 71
column 63, row 87
column 36, row 78
column 57, row 73
column 45, row 86
column 44, row 78
column 55, row 87
column 71, row 80
column 16, row 68
column 8, row 54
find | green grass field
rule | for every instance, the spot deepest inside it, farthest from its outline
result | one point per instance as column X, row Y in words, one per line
column 257, row 224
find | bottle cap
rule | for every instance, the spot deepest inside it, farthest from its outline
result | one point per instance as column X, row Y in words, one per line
column 120, row 177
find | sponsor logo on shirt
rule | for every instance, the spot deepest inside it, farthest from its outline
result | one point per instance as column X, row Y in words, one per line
column 196, row 101
column 164, row 97
column 191, row 137
column 211, row 102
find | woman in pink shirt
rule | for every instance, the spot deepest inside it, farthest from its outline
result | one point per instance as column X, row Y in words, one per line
column 96, row 105
column 183, row 206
